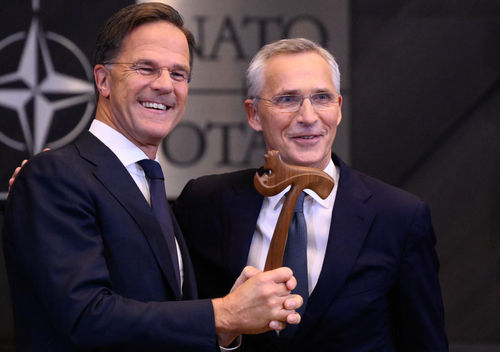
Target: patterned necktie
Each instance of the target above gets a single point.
(295, 257)
(161, 209)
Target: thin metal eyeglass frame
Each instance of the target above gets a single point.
(315, 106)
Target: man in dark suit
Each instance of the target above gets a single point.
(89, 263)
(372, 269)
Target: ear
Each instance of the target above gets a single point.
(252, 115)
(340, 110)
(102, 77)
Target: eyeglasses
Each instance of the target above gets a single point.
(293, 102)
(148, 70)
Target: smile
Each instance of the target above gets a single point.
(156, 106)
(307, 137)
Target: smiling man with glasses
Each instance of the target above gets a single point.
(372, 269)
(95, 259)
(302, 106)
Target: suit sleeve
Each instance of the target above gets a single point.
(419, 307)
(56, 260)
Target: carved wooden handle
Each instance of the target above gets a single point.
(276, 176)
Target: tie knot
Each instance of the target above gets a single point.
(151, 168)
(299, 206)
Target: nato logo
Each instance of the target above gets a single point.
(40, 104)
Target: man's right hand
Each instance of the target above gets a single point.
(18, 169)
(258, 302)
(15, 173)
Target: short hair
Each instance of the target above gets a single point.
(255, 78)
(110, 38)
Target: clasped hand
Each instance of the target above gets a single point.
(258, 302)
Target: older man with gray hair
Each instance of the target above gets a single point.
(369, 276)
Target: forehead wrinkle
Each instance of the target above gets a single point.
(298, 73)
(301, 92)
(143, 42)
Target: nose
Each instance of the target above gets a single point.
(306, 114)
(163, 82)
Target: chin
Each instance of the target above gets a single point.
(306, 160)
(300, 162)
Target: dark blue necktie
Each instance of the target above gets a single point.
(295, 257)
(161, 209)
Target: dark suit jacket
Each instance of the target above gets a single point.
(88, 265)
(378, 289)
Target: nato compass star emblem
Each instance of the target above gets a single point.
(32, 94)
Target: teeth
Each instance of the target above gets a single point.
(152, 105)
(307, 137)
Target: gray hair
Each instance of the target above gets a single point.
(255, 78)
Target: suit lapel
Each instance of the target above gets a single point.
(351, 221)
(242, 205)
(116, 179)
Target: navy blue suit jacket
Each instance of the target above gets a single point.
(378, 289)
(88, 265)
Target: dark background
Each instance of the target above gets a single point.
(425, 116)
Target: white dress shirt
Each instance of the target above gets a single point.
(129, 154)
(318, 215)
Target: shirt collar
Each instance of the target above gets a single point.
(123, 148)
(278, 199)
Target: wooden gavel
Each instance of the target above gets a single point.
(274, 178)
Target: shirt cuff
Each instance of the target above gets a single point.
(236, 342)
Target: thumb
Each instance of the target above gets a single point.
(246, 274)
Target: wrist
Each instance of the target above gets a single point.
(224, 327)
(223, 318)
